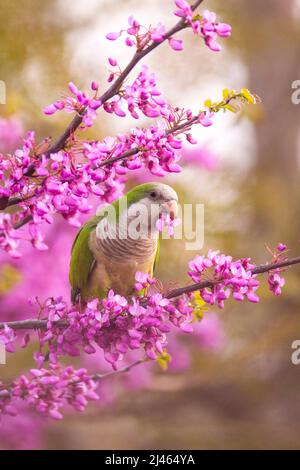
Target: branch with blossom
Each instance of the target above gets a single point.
(45, 179)
(198, 269)
(118, 325)
(84, 107)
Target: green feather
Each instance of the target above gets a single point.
(139, 192)
(156, 255)
(82, 258)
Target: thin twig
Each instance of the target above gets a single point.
(120, 371)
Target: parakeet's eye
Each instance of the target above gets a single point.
(153, 195)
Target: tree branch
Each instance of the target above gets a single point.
(129, 153)
(113, 89)
(77, 120)
(258, 270)
(41, 324)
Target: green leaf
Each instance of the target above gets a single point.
(232, 108)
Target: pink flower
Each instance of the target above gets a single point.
(157, 34)
(207, 26)
(281, 247)
(73, 88)
(113, 36)
(223, 30)
(94, 86)
(143, 280)
(176, 44)
(184, 10)
(112, 61)
(205, 118)
(51, 109)
(276, 282)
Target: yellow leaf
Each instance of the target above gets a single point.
(248, 96)
(207, 103)
(164, 359)
(199, 307)
(231, 108)
(225, 93)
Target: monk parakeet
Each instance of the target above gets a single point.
(121, 240)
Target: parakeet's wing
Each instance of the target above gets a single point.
(82, 258)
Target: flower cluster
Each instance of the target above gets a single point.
(204, 25)
(78, 103)
(48, 390)
(275, 281)
(63, 183)
(60, 185)
(142, 95)
(138, 35)
(115, 324)
(151, 148)
(228, 278)
(169, 222)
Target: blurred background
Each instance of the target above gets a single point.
(232, 384)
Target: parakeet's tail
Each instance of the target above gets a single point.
(75, 295)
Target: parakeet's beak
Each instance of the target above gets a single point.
(171, 207)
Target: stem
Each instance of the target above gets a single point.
(120, 371)
(40, 324)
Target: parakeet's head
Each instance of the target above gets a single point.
(150, 200)
(135, 215)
